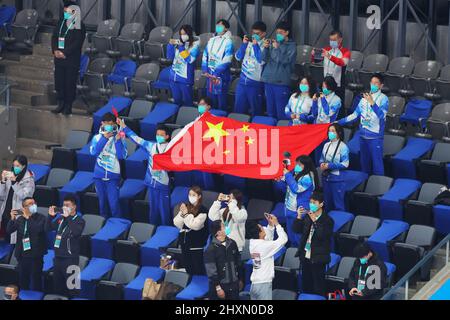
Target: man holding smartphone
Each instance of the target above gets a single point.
(263, 248)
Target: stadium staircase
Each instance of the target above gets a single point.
(33, 95)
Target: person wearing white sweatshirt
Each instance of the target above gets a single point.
(262, 250)
(231, 211)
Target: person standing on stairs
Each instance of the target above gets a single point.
(67, 43)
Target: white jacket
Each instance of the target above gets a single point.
(236, 224)
(262, 253)
(23, 189)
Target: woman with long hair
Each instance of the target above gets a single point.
(191, 220)
(300, 103)
(301, 183)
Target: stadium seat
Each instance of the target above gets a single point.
(137, 163)
(279, 212)
(279, 294)
(197, 289)
(40, 172)
(93, 224)
(48, 193)
(97, 269)
(342, 223)
(30, 295)
(391, 203)
(85, 161)
(239, 117)
(268, 121)
(126, 44)
(199, 86)
(64, 155)
(178, 196)
(139, 210)
(372, 63)
(340, 280)
(128, 251)
(209, 197)
(7, 15)
(421, 80)
(310, 297)
(185, 116)
(303, 61)
(441, 216)
(405, 255)
(420, 211)
(151, 250)
(163, 112)
(354, 65)
(8, 271)
(119, 80)
(354, 150)
(232, 92)
(366, 201)
(438, 125)
(399, 69)
(102, 242)
(54, 297)
(139, 110)
(179, 278)
(396, 109)
(404, 162)
(95, 78)
(414, 119)
(102, 40)
(162, 85)
(287, 274)
(23, 31)
(81, 182)
(155, 48)
(362, 228)
(113, 288)
(257, 207)
(133, 291)
(443, 82)
(131, 189)
(5, 250)
(390, 230)
(120, 104)
(434, 170)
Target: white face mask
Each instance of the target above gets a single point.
(184, 38)
(67, 211)
(193, 200)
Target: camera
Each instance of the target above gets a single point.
(114, 132)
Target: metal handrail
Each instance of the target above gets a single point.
(404, 281)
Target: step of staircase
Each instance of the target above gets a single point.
(36, 73)
(31, 98)
(42, 49)
(35, 150)
(41, 86)
(42, 62)
(44, 38)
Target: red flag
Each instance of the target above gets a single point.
(223, 145)
(114, 110)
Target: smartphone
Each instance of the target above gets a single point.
(59, 210)
(19, 213)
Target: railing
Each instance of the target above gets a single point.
(5, 91)
(404, 282)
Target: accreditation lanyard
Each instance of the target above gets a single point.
(311, 234)
(219, 49)
(302, 100)
(362, 281)
(59, 234)
(26, 239)
(62, 40)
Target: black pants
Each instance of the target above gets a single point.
(313, 278)
(66, 82)
(61, 273)
(231, 291)
(193, 261)
(340, 92)
(30, 273)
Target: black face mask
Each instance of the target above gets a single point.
(7, 297)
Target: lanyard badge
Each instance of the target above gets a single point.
(26, 244)
(58, 241)
(61, 43)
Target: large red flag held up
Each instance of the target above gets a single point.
(226, 146)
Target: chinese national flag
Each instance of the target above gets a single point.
(226, 146)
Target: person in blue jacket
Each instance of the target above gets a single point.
(184, 53)
(109, 147)
(250, 90)
(371, 111)
(300, 103)
(301, 183)
(216, 64)
(279, 56)
(156, 181)
(333, 163)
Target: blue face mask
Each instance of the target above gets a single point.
(201, 108)
(313, 207)
(298, 169)
(280, 38)
(326, 91)
(363, 260)
(109, 128)
(67, 16)
(304, 88)
(220, 28)
(334, 44)
(332, 136)
(160, 139)
(256, 37)
(17, 170)
(374, 88)
(33, 209)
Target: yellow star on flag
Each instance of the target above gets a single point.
(227, 152)
(250, 141)
(215, 132)
(245, 128)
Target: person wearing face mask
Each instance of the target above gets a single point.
(67, 43)
(15, 185)
(216, 64)
(11, 293)
(279, 56)
(184, 53)
(69, 226)
(192, 222)
(204, 105)
(31, 244)
(316, 229)
(367, 270)
(333, 163)
(110, 149)
(300, 184)
(250, 90)
(371, 111)
(230, 210)
(223, 264)
(156, 181)
(262, 249)
(300, 103)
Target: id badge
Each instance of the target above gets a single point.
(61, 43)
(308, 246)
(26, 244)
(57, 242)
(361, 285)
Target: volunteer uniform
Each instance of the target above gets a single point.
(300, 105)
(335, 67)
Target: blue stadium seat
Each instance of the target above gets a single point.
(40, 172)
(310, 297)
(219, 113)
(268, 121)
(342, 223)
(163, 82)
(403, 164)
(231, 182)
(354, 149)
(334, 262)
(31, 295)
(279, 212)
(79, 183)
(96, 270)
(136, 164)
(389, 230)
(391, 203)
(48, 261)
(353, 180)
(162, 113)
(102, 246)
(5, 250)
(442, 219)
(85, 161)
(122, 73)
(151, 250)
(121, 104)
(179, 195)
(133, 291)
(130, 189)
(416, 113)
(197, 288)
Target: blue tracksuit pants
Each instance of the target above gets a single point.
(277, 97)
(159, 205)
(294, 238)
(182, 93)
(371, 156)
(108, 195)
(219, 97)
(249, 98)
(334, 192)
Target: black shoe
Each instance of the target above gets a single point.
(67, 110)
(60, 108)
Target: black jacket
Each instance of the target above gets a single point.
(72, 47)
(70, 230)
(195, 239)
(368, 294)
(223, 262)
(36, 233)
(321, 240)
